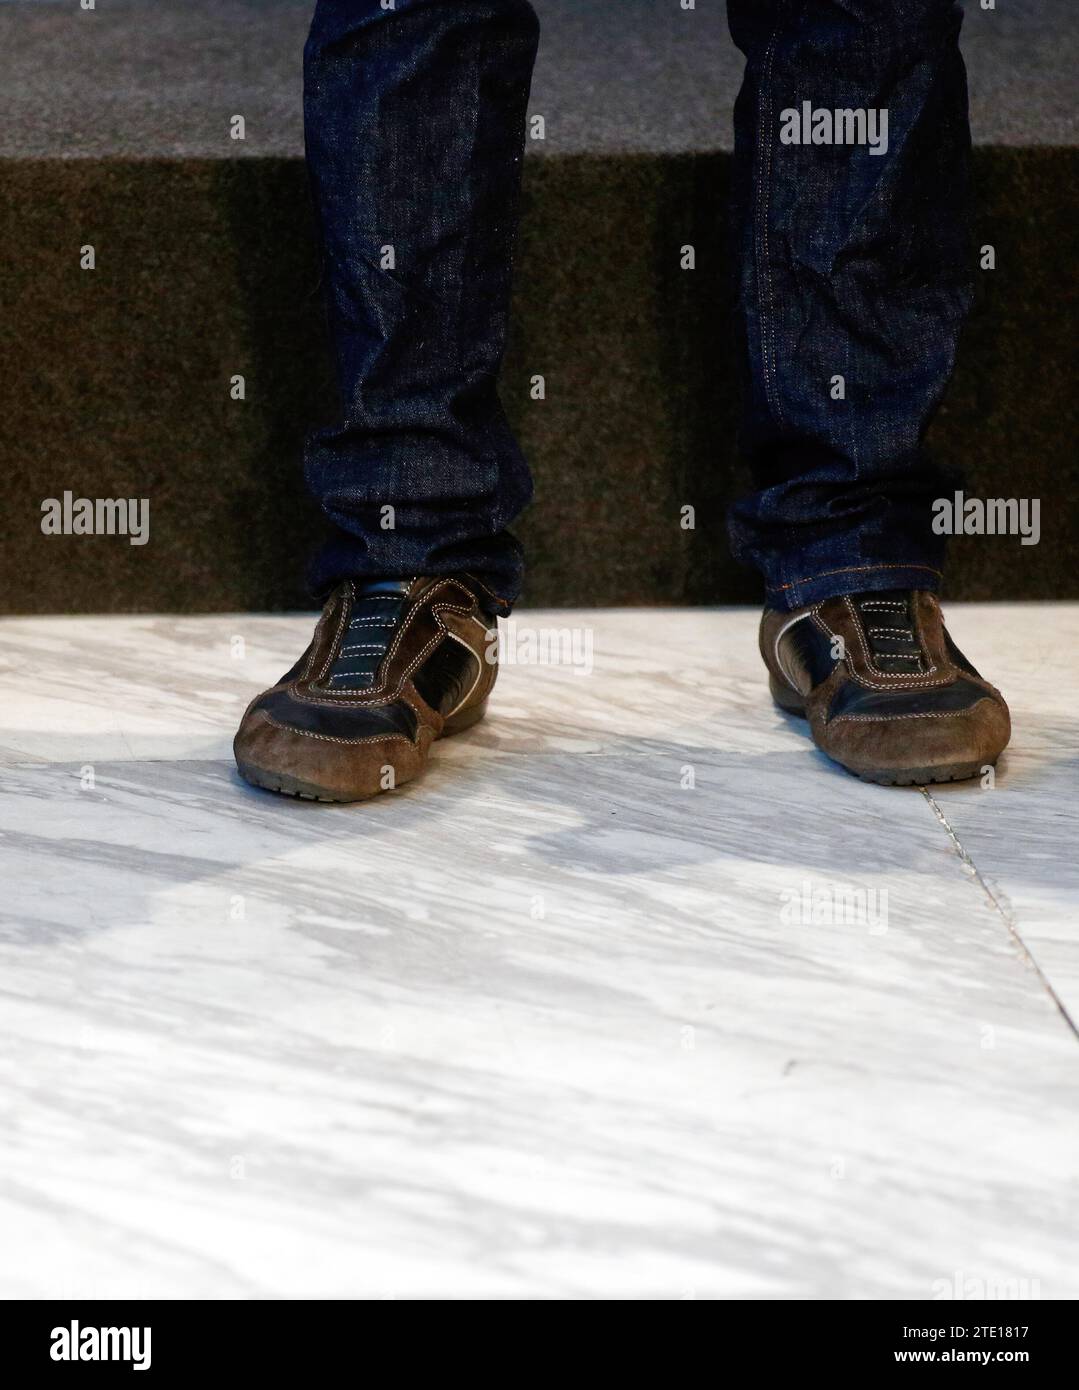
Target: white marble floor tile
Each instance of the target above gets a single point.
(1023, 832)
(175, 687)
(543, 1024)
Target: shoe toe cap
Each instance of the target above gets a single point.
(920, 743)
(332, 750)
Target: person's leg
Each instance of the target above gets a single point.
(415, 114)
(854, 276)
(415, 119)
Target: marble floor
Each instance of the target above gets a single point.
(633, 995)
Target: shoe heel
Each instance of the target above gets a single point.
(457, 723)
(786, 698)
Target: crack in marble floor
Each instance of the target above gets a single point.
(1005, 912)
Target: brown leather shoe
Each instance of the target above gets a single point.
(887, 692)
(394, 664)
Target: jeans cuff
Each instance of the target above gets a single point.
(854, 579)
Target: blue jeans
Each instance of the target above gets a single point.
(851, 260)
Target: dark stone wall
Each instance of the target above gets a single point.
(116, 381)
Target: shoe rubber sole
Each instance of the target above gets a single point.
(791, 702)
(286, 785)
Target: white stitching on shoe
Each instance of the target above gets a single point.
(380, 695)
(882, 718)
(346, 608)
(890, 683)
(330, 738)
(864, 645)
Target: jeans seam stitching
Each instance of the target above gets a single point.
(763, 205)
(852, 569)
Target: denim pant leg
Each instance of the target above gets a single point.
(415, 119)
(852, 265)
